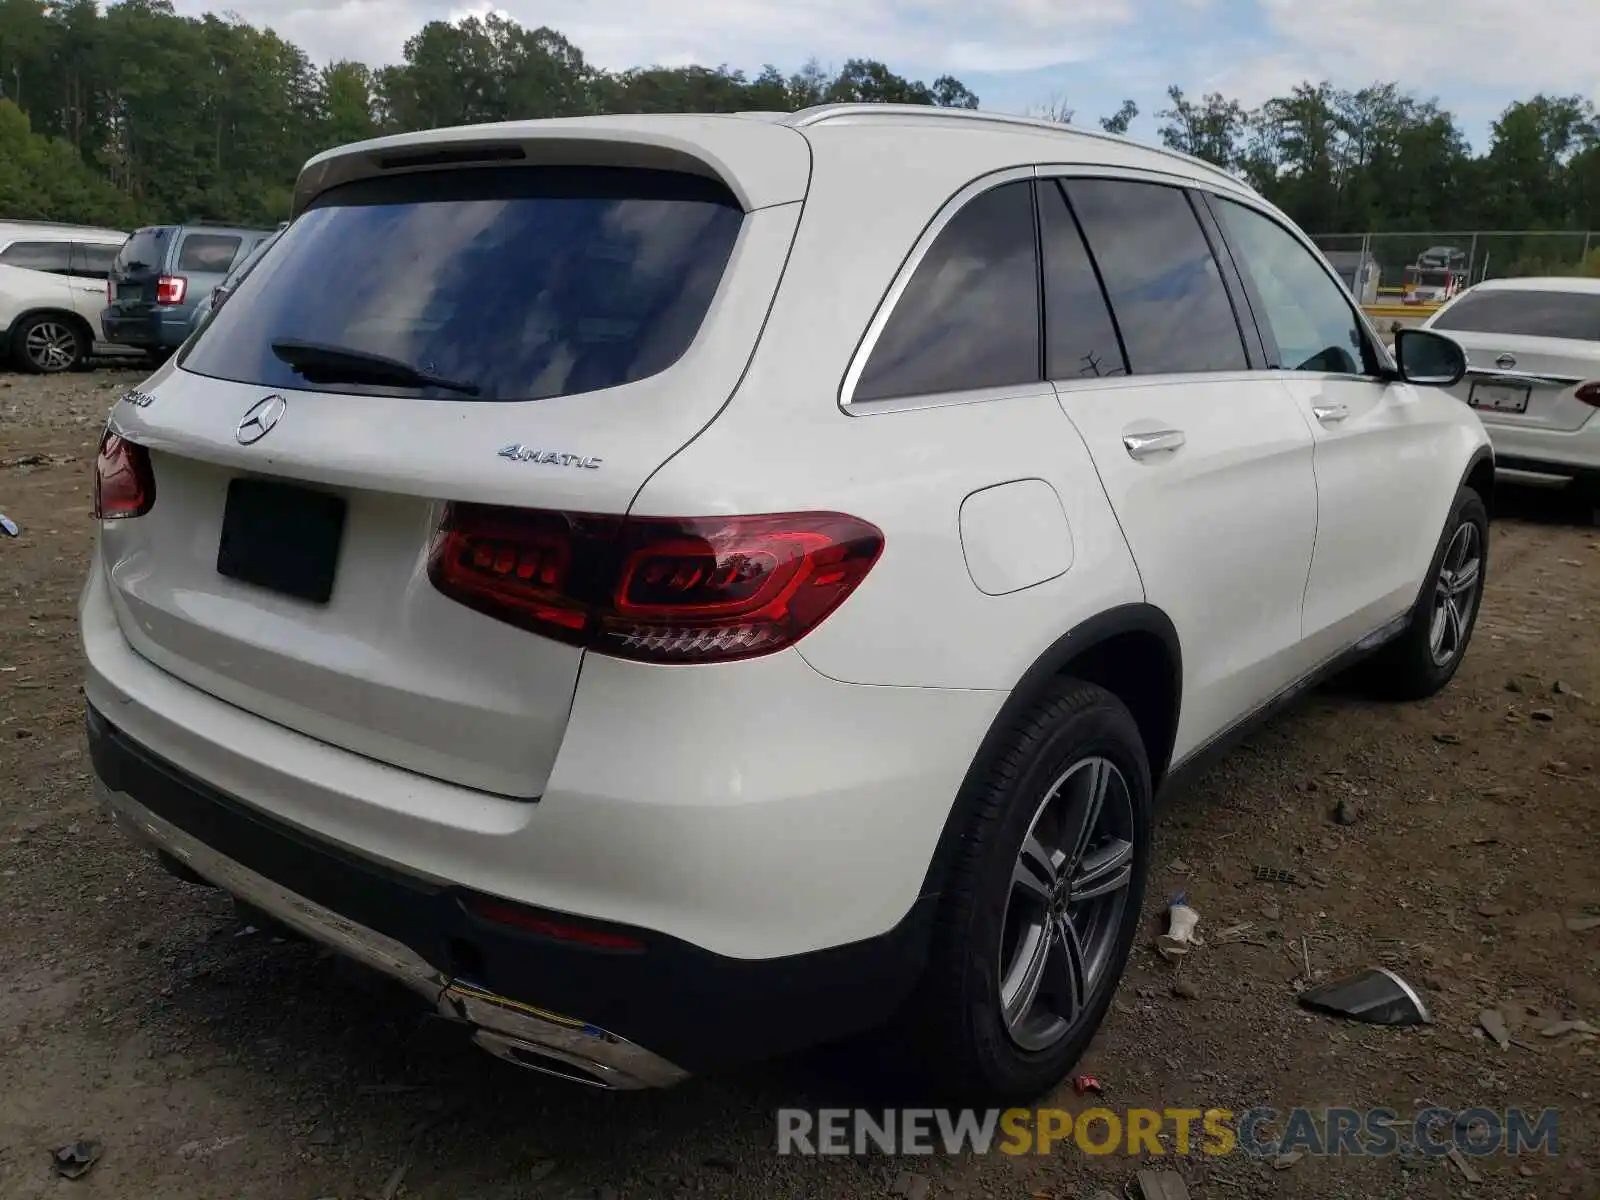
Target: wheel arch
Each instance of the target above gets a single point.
(1133, 652)
(75, 319)
(1479, 476)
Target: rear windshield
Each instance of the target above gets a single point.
(208, 252)
(1525, 314)
(524, 282)
(144, 251)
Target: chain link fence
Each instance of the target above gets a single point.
(1379, 268)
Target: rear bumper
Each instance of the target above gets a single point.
(156, 329)
(583, 1012)
(1547, 455)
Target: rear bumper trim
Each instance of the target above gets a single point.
(516, 1032)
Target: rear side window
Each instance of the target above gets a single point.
(524, 282)
(91, 260)
(969, 317)
(143, 253)
(207, 253)
(1525, 313)
(54, 257)
(1165, 288)
(1080, 339)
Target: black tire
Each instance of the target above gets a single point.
(47, 344)
(1412, 666)
(959, 1040)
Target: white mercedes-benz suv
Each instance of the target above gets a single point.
(678, 589)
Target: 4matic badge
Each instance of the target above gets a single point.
(517, 452)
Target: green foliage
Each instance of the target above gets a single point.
(137, 114)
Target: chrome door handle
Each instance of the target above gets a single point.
(1328, 414)
(1143, 445)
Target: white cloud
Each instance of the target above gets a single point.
(934, 34)
(1517, 45)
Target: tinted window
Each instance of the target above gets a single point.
(143, 253)
(1306, 311)
(528, 282)
(1525, 313)
(207, 252)
(54, 257)
(969, 318)
(1080, 340)
(1164, 285)
(92, 260)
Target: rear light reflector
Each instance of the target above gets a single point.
(171, 289)
(1589, 392)
(111, 292)
(654, 589)
(502, 912)
(124, 484)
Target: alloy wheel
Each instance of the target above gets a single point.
(51, 346)
(1455, 594)
(1069, 891)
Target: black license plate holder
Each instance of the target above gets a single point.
(283, 538)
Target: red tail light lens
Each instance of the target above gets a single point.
(702, 589)
(111, 292)
(506, 913)
(171, 289)
(124, 484)
(1589, 392)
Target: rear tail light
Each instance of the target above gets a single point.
(171, 289)
(111, 292)
(124, 484)
(1589, 392)
(655, 589)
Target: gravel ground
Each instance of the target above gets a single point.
(213, 1061)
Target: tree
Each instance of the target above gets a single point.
(133, 113)
(1119, 121)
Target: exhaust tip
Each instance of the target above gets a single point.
(547, 1061)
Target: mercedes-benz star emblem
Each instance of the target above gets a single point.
(259, 420)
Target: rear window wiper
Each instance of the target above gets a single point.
(319, 363)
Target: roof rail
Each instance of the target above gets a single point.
(821, 114)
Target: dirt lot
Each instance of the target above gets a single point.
(212, 1061)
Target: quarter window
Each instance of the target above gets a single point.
(1307, 312)
(207, 252)
(1164, 285)
(969, 317)
(54, 257)
(1080, 339)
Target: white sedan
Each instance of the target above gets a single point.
(1533, 353)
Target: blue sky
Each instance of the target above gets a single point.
(1024, 55)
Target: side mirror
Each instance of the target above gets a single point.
(1429, 359)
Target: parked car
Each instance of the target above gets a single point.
(161, 274)
(52, 281)
(751, 593)
(1443, 257)
(1533, 348)
(218, 294)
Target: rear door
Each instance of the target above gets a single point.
(91, 268)
(601, 319)
(1528, 348)
(1206, 462)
